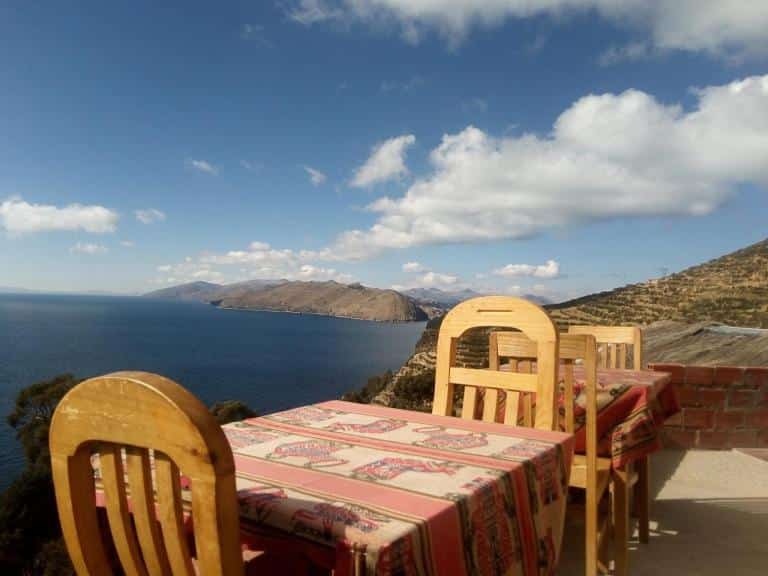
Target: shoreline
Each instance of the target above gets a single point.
(298, 313)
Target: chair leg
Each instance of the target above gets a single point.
(621, 521)
(642, 498)
(591, 530)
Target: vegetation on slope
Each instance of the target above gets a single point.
(732, 289)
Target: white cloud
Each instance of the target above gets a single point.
(315, 176)
(309, 12)
(149, 216)
(628, 52)
(413, 267)
(258, 260)
(87, 248)
(386, 162)
(549, 270)
(713, 26)
(127, 243)
(20, 217)
(309, 272)
(203, 166)
(608, 156)
(436, 280)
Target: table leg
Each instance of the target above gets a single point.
(642, 498)
(358, 559)
(621, 483)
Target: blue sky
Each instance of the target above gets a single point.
(557, 148)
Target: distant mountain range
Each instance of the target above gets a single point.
(732, 289)
(325, 298)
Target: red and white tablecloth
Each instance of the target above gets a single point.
(423, 494)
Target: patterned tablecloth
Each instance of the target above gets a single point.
(424, 494)
(632, 407)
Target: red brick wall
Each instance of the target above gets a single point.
(722, 407)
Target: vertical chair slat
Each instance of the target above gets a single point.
(113, 481)
(145, 516)
(217, 525)
(611, 353)
(526, 367)
(171, 514)
(490, 404)
(491, 398)
(568, 397)
(73, 478)
(622, 356)
(469, 406)
(511, 408)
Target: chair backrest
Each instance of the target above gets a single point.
(521, 353)
(140, 416)
(504, 312)
(615, 343)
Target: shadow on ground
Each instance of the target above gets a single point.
(709, 517)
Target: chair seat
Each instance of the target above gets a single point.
(579, 473)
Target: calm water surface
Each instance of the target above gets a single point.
(270, 360)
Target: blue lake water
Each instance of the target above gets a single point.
(270, 360)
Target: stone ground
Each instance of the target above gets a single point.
(709, 517)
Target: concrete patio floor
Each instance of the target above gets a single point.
(709, 516)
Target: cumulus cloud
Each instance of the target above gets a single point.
(413, 267)
(712, 26)
(386, 162)
(436, 280)
(203, 166)
(315, 176)
(258, 260)
(89, 249)
(607, 156)
(149, 215)
(423, 277)
(549, 270)
(20, 217)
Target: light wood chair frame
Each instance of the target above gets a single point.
(589, 472)
(141, 413)
(613, 345)
(503, 312)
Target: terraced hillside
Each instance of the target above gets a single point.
(732, 289)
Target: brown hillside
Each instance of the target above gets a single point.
(732, 289)
(330, 299)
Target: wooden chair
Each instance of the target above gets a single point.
(504, 312)
(589, 472)
(144, 414)
(615, 344)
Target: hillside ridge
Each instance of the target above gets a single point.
(731, 289)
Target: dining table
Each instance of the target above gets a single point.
(363, 489)
(389, 491)
(632, 406)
